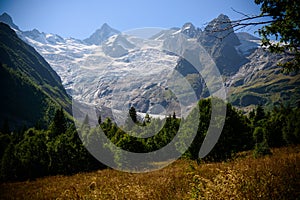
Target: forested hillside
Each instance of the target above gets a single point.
(31, 90)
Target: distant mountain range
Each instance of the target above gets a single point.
(31, 90)
(109, 64)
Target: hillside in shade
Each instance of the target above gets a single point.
(30, 89)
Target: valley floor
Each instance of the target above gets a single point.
(270, 177)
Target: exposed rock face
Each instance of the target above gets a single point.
(114, 69)
(5, 18)
(101, 35)
(220, 41)
(190, 30)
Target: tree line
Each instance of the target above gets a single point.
(35, 152)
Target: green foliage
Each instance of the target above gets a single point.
(274, 126)
(59, 124)
(278, 128)
(204, 119)
(132, 143)
(34, 153)
(261, 140)
(31, 153)
(259, 114)
(9, 164)
(291, 131)
(285, 26)
(259, 135)
(67, 154)
(30, 88)
(235, 136)
(261, 149)
(282, 126)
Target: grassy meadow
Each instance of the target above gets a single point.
(276, 176)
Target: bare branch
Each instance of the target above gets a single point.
(240, 12)
(239, 21)
(250, 18)
(253, 23)
(230, 32)
(240, 26)
(236, 25)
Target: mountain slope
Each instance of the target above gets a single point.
(261, 81)
(248, 43)
(30, 89)
(218, 38)
(221, 45)
(91, 70)
(6, 18)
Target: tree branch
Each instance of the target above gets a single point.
(240, 12)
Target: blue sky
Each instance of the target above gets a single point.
(79, 19)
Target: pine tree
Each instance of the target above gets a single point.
(99, 120)
(59, 123)
(86, 123)
(132, 114)
(86, 119)
(174, 115)
(147, 118)
(260, 114)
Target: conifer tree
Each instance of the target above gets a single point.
(132, 114)
(59, 123)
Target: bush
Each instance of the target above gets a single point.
(261, 149)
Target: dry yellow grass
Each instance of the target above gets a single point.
(271, 177)
(168, 183)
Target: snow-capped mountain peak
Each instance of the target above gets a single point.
(102, 34)
(117, 45)
(109, 66)
(220, 25)
(44, 38)
(190, 30)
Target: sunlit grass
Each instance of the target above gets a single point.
(271, 177)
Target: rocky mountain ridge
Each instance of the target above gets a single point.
(93, 70)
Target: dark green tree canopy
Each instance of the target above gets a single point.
(285, 26)
(59, 123)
